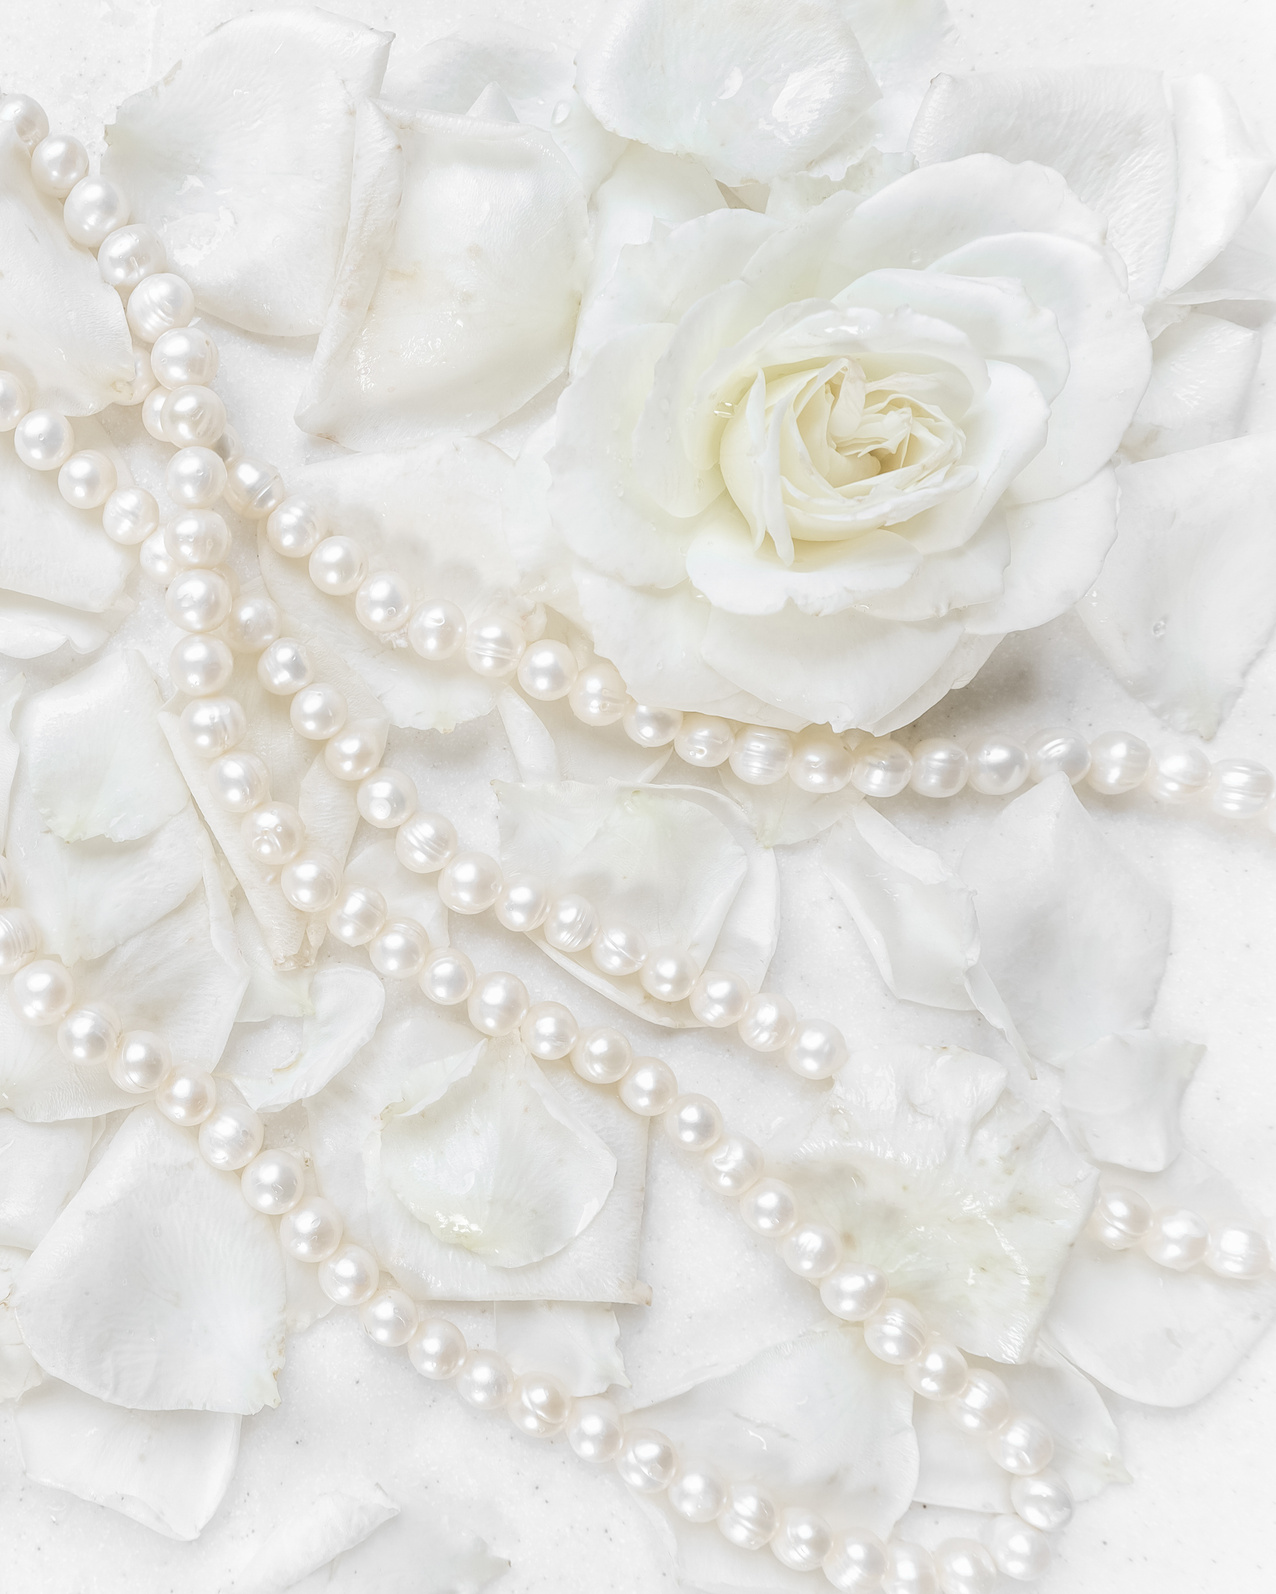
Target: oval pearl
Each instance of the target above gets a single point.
(816, 1049)
(821, 762)
(195, 478)
(14, 401)
(1120, 1218)
(854, 1292)
(895, 1332)
(273, 834)
(646, 1460)
(704, 740)
(425, 842)
(802, 1539)
(1238, 1253)
(1058, 752)
(239, 782)
(651, 727)
(767, 1023)
(484, 1380)
(539, 1406)
(198, 600)
(398, 951)
(26, 117)
(983, 1405)
(436, 631)
(1118, 763)
(159, 303)
(254, 488)
(601, 1056)
(312, 1231)
(42, 992)
(448, 976)
(965, 1567)
(184, 356)
(997, 765)
(760, 756)
(694, 1123)
(549, 1031)
(193, 416)
(387, 798)
(855, 1562)
(811, 1250)
(338, 566)
(44, 440)
(92, 210)
(649, 1088)
(1023, 1446)
(19, 939)
(213, 725)
(1239, 787)
(1178, 773)
(383, 602)
(357, 915)
(697, 1493)
(311, 882)
(186, 1096)
(547, 671)
(769, 1208)
(1044, 1500)
(493, 647)
(1177, 1239)
(470, 883)
(58, 162)
(668, 974)
(89, 1036)
(748, 1516)
(231, 1136)
(198, 538)
(389, 1318)
(522, 903)
(141, 1063)
(498, 1004)
(129, 516)
(349, 1276)
(318, 711)
(571, 924)
(273, 1181)
(939, 768)
(881, 767)
(595, 1430)
(200, 665)
(619, 950)
(719, 998)
(295, 527)
(437, 1350)
(938, 1371)
(733, 1165)
(910, 1569)
(597, 696)
(284, 667)
(356, 749)
(87, 479)
(1020, 1551)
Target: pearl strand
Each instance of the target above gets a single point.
(1178, 1238)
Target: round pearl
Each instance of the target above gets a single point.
(448, 976)
(821, 762)
(141, 1062)
(1239, 787)
(938, 1371)
(231, 1137)
(92, 210)
(619, 950)
(273, 1181)
(522, 903)
(910, 1569)
(129, 254)
(312, 1231)
(200, 665)
(1020, 1551)
(571, 924)
(186, 1096)
(539, 1406)
(1120, 1218)
(197, 539)
(273, 834)
(356, 750)
(129, 516)
(649, 1088)
(349, 1276)
(19, 939)
(602, 1056)
(854, 1292)
(42, 992)
(881, 768)
(595, 1430)
(159, 303)
(437, 1350)
(484, 1380)
(383, 602)
(198, 600)
(895, 1332)
(760, 756)
(254, 488)
(1023, 1446)
(284, 667)
(697, 1493)
(14, 402)
(997, 766)
(87, 479)
(26, 117)
(44, 440)
(357, 915)
(668, 974)
(398, 950)
(387, 798)
(1058, 752)
(213, 725)
(184, 356)
(816, 1049)
(1177, 1239)
(802, 1539)
(436, 631)
(547, 671)
(983, 1405)
(1044, 1501)
(965, 1567)
(767, 1023)
(704, 740)
(811, 1250)
(646, 1461)
(597, 696)
(769, 1208)
(694, 1123)
(317, 712)
(719, 999)
(471, 883)
(338, 566)
(651, 727)
(549, 1031)
(1178, 773)
(425, 843)
(239, 782)
(939, 768)
(295, 527)
(855, 1562)
(193, 416)
(1238, 1253)
(89, 1035)
(310, 883)
(498, 1004)
(389, 1318)
(493, 647)
(748, 1517)
(1118, 763)
(733, 1165)
(152, 413)
(195, 478)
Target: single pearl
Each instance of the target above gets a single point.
(821, 762)
(312, 881)
(549, 1031)
(1178, 773)
(522, 903)
(571, 925)
(855, 1562)
(295, 527)
(44, 440)
(312, 1231)
(1058, 752)
(493, 647)
(159, 303)
(647, 1461)
(767, 1023)
(338, 566)
(200, 665)
(619, 950)
(1120, 1218)
(997, 766)
(965, 1567)
(389, 1318)
(26, 117)
(213, 725)
(595, 1430)
(14, 402)
(484, 1380)
(983, 1405)
(1238, 1253)
(231, 1136)
(387, 798)
(719, 999)
(597, 696)
(87, 479)
(1239, 787)
(938, 1371)
(704, 740)
(539, 1406)
(186, 1096)
(733, 1165)
(92, 210)
(1177, 1239)
(854, 1292)
(1044, 1500)
(498, 1004)
(254, 488)
(239, 782)
(651, 727)
(447, 977)
(1023, 1446)
(195, 478)
(802, 1539)
(760, 756)
(895, 1332)
(811, 1250)
(697, 1493)
(198, 600)
(425, 842)
(470, 883)
(273, 1181)
(198, 538)
(649, 1088)
(273, 834)
(910, 1569)
(356, 750)
(19, 939)
(129, 516)
(349, 1276)
(89, 1035)
(881, 768)
(694, 1123)
(816, 1049)
(193, 415)
(184, 356)
(436, 630)
(437, 1350)
(602, 1056)
(141, 1063)
(42, 992)
(1118, 763)
(357, 915)
(318, 711)
(748, 1516)
(399, 949)
(152, 413)
(669, 974)
(769, 1208)
(284, 667)
(1020, 1551)
(940, 767)
(547, 671)
(383, 602)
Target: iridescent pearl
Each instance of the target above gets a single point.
(200, 665)
(484, 1380)
(767, 1023)
(448, 976)
(356, 749)
(311, 882)
(141, 1063)
(522, 903)
(821, 762)
(816, 1049)
(195, 478)
(213, 725)
(547, 671)
(312, 1231)
(193, 416)
(197, 539)
(597, 696)
(694, 1123)
(854, 1291)
(44, 440)
(939, 768)
(437, 1350)
(493, 647)
(1058, 752)
(349, 1276)
(1020, 1551)
(748, 1516)
(42, 992)
(389, 1318)
(938, 1371)
(87, 479)
(19, 939)
(383, 602)
(57, 164)
(158, 303)
(89, 1036)
(668, 974)
(811, 1250)
(601, 1056)
(14, 401)
(1178, 773)
(1120, 1218)
(184, 356)
(254, 488)
(1023, 1446)
(273, 834)
(998, 765)
(26, 117)
(295, 527)
(595, 1430)
(1177, 1239)
(425, 842)
(436, 631)
(318, 711)
(719, 998)
(539, 1406)
(619, 950)
(1044, 1500)
(338, 566)
(769, 1208)
(910, 1569)
(498, 1004)
(983, 1405)
(273, 1181)
(198, 600)
(129, 516)
(1238, 1253)
(284, 667)
(895, 1332)
(965, 1567)
(357, 915)
(470, 883)
(549, 1031)
(880, 768)
(239, 782)
(855, 1562)
(1118, 762)
(760, 756)
(399, 949)
(697, 1493)
(646, 1461)
(704, 740)
(186, 1096)
(92, 210)
(1239, 787)
(733, 1165)
(802, 1539)
(571, 924)
(649, 1088)
(651, 727)
(387, 798)
(231, 1136)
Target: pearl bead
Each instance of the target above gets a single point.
(498, 1004)
(549, 1031)
(349, 1276)
(273, 1181)
(769, 1208)
(19, 939)
(649, 1088)
(27, 119)
(1177, 1239)
(881, 768)
(895, 1332)
(437, 1350)
(651, 727)
(484, 1380)
(90, 1035)
(425, 842)
(231, 1137)
(816, 1049)
(92, 210)
(186, 1096)
(704, 740)
(141, 1063)
(356, 750)
(939, 768)
(199, 538)
(317, 712)
(1023, 1446)
(398, 950)
(387, 798)
(200, 665)
(1239, 787)
(152, 413)
(694, 1123)
(273, 834)
(1178, 773)
(854, 1292)
(597, 696)
(983, 1405)
(14, 402)
(470, 883)
(767, 1023)
(997, 766)
(312, 1231)
(44, 440)
(1020, 1551)
(747, 1518)
(571, 925)
(198, 600)
(383, 603)
(733, 1165)
(129, 516)
(285, 667)
(1118, 763)
(1238, 1253)
(254, 489)
(619, 950)
(195, 478)
(389, 1318)
(182, 356)
(493, 647)
(697, 1493)
(539, 1405)
(436, 631)
(811, 1250)
(646, 1461)
(213, 725)
(448, 976)
(821, 762)
(1044, 1500)
(802, 1539)
(129, 254)
(1058, 752)
(338, 566)
(357, 915)
(295, 527)
(668, 974)
(311, 882)
(910, 1569)
(87, 479)
(547, 671)
(159, 303)
(602, 1056)
(965, 1567)
(42, 992)
(1120, 1218)
(719, 999)
(239, 782)
(760, 756)
(523, 903)
(938, 1371)
(855, 1562)
(595, 1430)
(193, 415)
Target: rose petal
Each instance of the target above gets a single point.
(324, 1527)
(41, 1166)
(30, 628)
(1244, 270)
(18, 1371)
(1123, 1094)
(579, 1344)
(1202, 372)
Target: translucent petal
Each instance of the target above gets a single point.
(41, 1166)
(1122, 1097)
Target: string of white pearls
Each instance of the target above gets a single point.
(1178, 1238)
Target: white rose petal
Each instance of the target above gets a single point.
(41, 1166)
(30, 628)
(578, 1343)
(18, 1371)
(1123, 1094)
(309, 1538)
(1244, 270)
(1202, 372)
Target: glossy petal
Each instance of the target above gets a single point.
(1202, 372)
(41, 1166)
(1122, 1097)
